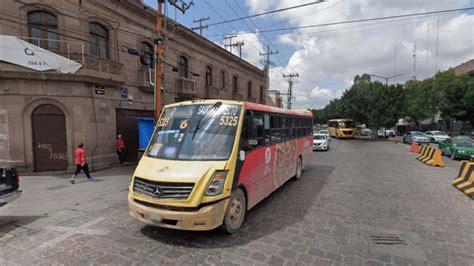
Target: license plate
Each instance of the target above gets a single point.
(154, 217)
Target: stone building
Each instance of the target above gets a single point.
(45, 114)
(466, 68)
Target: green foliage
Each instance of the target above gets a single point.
(378, 105)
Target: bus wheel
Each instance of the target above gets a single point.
(299, 169)
(235, 213)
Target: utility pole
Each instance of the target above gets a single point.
(267, 64)
(414, 62)
(290, 77)
(229, 37)
(437, 45)
(159, 44)
(201, 27)
(269, 52)
(236, 44)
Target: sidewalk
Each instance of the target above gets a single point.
(43, 195)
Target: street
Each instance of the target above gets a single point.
(362, 202)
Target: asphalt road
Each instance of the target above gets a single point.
(362, 202)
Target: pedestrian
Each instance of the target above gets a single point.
(120, 146)
(81, 163)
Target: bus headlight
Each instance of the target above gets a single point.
(217, 185)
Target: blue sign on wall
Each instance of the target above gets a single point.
(124, 92)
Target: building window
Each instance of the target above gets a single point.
(208, 76)
(183, 67)
(43, 28)
(222, 79)
(234, 84)
(146, 55)
(249, 89)
(99, 40)
(262, 94)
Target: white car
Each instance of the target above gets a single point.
(324, 132)
(320, 142)
(437, 136)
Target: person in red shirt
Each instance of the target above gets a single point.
(81, 163)
(120, 146)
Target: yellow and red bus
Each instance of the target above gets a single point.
(342, 128)
(210, 161)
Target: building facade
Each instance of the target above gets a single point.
(44, 115)
(466, 68)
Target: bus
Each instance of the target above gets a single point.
(342, 128)
(210, 161)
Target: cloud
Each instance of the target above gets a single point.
(328, 58)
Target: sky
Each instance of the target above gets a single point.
(327, 58)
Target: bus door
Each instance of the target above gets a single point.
(256, 173)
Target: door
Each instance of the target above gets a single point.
(127, 126)
(49, 139)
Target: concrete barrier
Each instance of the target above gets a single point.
(465, 179)
(431, 156)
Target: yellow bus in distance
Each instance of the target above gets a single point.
(342, 128)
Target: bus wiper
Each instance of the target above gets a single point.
(207, 116)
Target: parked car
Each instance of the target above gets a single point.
(366, 132)
(385, 133)
(325, 132)
(390, 133)
(320, 142)
(460, 147)
(9, 185)
(415, 136)
(437, 136)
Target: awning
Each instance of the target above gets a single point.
(16, 51)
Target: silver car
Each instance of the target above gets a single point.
(415, 136)
(437, 136)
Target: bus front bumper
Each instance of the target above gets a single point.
(206, 218)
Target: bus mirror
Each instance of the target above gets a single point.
(253, 142)
(242, 156)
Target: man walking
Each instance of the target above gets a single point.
(120, 146)
(81, 163)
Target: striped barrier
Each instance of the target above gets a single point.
(465, 179)
(423, 152)
(431, 156)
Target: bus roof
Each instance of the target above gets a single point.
(271, 109)
(248, 106)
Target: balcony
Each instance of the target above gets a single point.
(146, 79)
(252, 99)
(102, 65)
(185, 87)
(75, 51)
(237, 96)
(212, 92)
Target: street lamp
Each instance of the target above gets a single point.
(386, 78)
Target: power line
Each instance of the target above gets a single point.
(367, 19)
(266, 13)
(258, 35)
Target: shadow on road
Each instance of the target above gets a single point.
(284, 207)
(9, 223)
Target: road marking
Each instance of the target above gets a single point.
(69, 231)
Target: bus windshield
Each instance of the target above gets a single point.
(195, 132)
(346, 124)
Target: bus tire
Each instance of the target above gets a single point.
(299, 169)
(235, 213)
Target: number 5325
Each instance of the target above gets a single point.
(228, 120)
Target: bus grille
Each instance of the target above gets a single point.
(347, 132)
(162, 190)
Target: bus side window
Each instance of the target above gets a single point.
(275, 124)
(258, 129)
(246, 134)
(266, 130)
